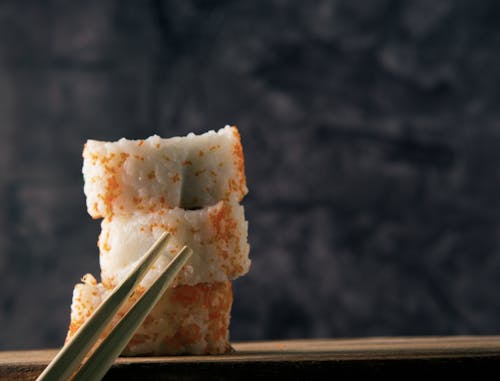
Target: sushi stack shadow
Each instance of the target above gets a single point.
(191, 187)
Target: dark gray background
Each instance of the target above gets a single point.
(372, 141)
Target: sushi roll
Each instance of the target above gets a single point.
(217, 235)
(147, 175)
(191, 187)
(186, 320)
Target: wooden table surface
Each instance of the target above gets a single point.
(297, 359)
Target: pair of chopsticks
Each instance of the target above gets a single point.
(68, 362)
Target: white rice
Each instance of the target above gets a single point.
(146, 175)
(187, 319)
(217, 235)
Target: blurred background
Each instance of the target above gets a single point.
(372, 143)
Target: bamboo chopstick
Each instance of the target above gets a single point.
(71, 355)
(103, 357)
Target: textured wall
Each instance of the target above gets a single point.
(371, 134)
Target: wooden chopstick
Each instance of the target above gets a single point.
(71, 355)
(103, 357)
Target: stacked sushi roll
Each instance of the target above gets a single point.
(191, 187)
